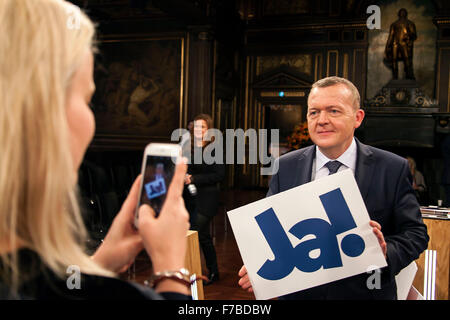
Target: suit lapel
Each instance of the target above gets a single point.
(305, 162)
(365, 167)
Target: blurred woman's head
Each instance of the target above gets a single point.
(202, 123)
(45, 126)
(412, 164)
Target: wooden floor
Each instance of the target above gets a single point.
(228, 256)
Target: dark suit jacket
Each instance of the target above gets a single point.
(385, 183)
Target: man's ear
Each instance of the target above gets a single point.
(359, 117)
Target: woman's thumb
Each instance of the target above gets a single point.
(146, 214)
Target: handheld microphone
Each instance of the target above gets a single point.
(192, 189)
(185, 146)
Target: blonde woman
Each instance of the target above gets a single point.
(46, 125)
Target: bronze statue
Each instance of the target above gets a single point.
(399, 46)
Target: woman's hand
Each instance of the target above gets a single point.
(123, 242)
(164, 237)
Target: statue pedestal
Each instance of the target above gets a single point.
(401, 93)
(400, 115)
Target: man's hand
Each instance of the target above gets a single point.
(244, 282)
(376, 227)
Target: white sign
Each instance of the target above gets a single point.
(404, 280)
(306, 236)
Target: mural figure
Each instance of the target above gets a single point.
(399, 46)
(138, 87)
(146, 88)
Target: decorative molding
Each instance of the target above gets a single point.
(401, 93)
(442, 21)
(285, 93)
(322, 26)
(283, 78)
(299, 62)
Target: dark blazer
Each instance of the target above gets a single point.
(385, 183)
(207, 177)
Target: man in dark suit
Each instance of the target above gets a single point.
(383, 178)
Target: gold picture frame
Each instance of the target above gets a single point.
(139, 95)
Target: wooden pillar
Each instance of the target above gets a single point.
(193, 260)
(200, 74)
(443, 63)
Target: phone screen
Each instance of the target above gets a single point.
(158, 174)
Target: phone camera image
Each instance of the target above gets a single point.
(156, 187)
(158, 173)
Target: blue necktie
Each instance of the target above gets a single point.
(333, 166)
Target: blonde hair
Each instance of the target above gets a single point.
(412, 163)
(42, 44)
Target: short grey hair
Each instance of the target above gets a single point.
(332, 81)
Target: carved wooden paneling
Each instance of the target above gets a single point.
(332, 63)
(443, 79)
(359, 71)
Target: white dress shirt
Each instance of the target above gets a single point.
(348, 160)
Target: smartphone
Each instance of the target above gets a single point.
(158, 168)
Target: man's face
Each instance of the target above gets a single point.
(332, 119)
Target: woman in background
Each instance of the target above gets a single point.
(46, 125)
(206, 178)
